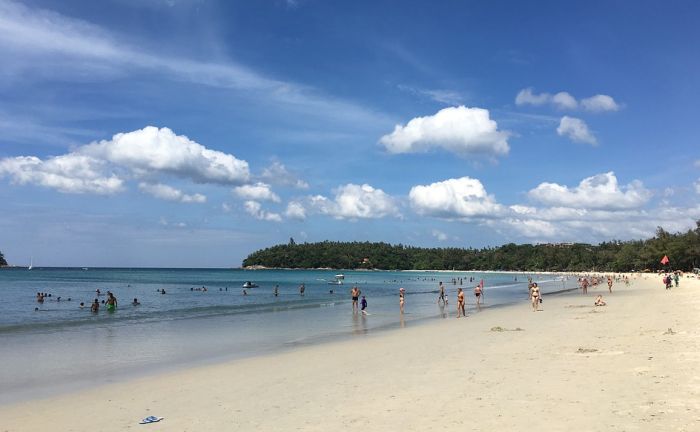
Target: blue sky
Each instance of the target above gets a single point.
(191, 133)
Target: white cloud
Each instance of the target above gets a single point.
(257, 192)
(453, 199)
(153, 149)
(527, 97)
(461, 130)
(70, 173)
(533, 228)
(278, 174)
(102, 167)
(295, 210)
(565, 101)
(597, 192)
(226, 208)
(439, 235)
(356, 202)
(254, 209)
(697, 163)
(697, 186)
(599, 103)
(169, 193)
(576, 129)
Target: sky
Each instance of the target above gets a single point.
(190, 133)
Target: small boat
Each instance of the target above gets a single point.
(250, 284)
(338, 280)
(31, 263)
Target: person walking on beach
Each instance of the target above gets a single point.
(441, 296)
(355, 294)
(584, 285)
(477, 294)
(610, 283)
(535, 297)
(675, 278)
(461, 311)
(402, 299)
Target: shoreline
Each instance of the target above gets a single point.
(631, 363)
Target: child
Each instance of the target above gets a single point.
(363, 305)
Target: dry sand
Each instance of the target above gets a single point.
(633, 365)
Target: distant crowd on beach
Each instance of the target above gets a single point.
(360, 302)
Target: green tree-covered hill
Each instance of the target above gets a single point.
(683, 250)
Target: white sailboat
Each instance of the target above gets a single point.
(31, 263)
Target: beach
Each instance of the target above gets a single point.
(630, 365)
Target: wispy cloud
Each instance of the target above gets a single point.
(42, 44)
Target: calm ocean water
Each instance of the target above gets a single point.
(62, 347)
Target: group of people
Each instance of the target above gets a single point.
(670, 279)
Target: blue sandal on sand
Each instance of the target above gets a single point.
(151, 419)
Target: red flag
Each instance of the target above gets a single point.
(664, 260)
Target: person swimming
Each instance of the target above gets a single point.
(135, 302)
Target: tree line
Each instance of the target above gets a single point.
(682, 249)
(3, 263)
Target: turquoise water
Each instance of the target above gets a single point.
(62, 347)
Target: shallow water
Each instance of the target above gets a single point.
(62, 347)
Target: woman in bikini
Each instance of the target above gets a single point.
(402, 301)
(535, 297)
(460, 303)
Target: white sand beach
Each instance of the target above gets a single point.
(633, 365)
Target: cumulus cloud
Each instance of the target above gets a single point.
(599, 103)
(356, 202)
(601, 191)
(161, 150)
(254, 209)
(576, 130)
(169, 193)
(103, 167)
(295, 210)
(460, 130)
(454, 199)
(565, 101)
(257, 192)
(278, 174)
(70, 173)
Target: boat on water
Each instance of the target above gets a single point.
(31, 263)
(338, 280)
(249, 284)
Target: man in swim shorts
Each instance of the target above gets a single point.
(355, 294)
(477, 294)
(441, 296)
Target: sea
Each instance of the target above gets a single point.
(189, 317)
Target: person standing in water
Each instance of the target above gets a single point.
(363, 305)
(302, 288)
(441, 295)
(95, 306)
(276, 292)
(111, 302)
(355, 294)
(477, 294)
(402, 299)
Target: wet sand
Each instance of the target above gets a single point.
(631, 365)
